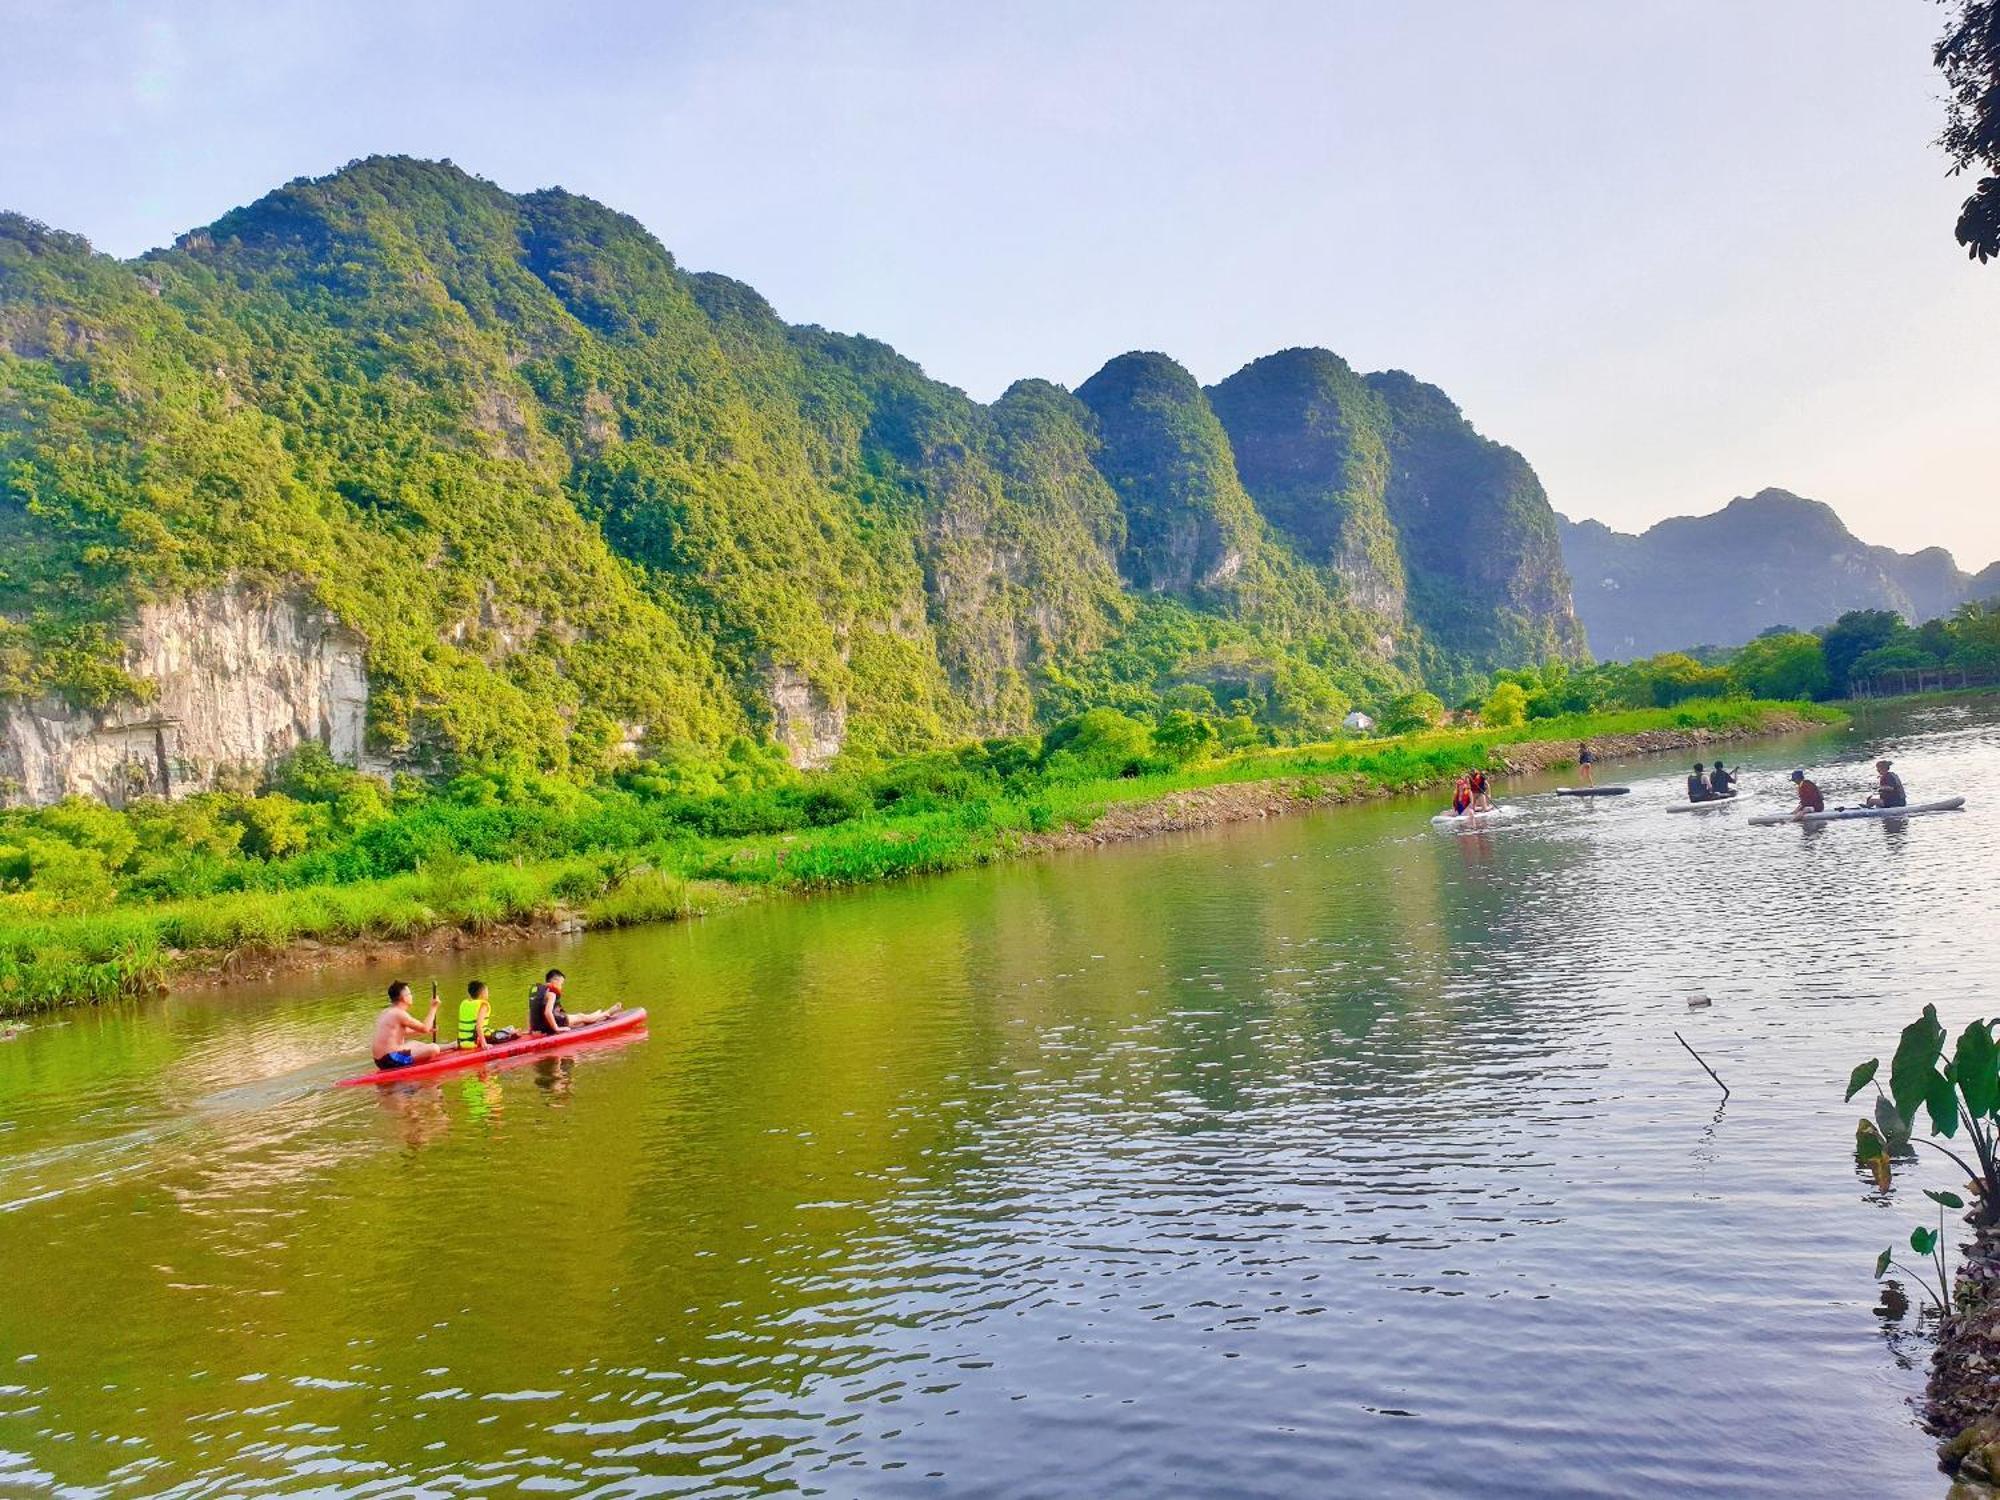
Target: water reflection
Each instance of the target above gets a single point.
(1258, 1164)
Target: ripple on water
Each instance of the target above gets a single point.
(1331, 1156)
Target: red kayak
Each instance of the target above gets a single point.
(479, 1057)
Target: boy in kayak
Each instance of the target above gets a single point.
(1810, 801)
(1721, 782)
(1699, 789)
(396, 1026)
(546, 1016)
(1888, 788)
(475, 1020)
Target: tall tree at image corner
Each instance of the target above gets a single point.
(1968, 54)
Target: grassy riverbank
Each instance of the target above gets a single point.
(108, 904)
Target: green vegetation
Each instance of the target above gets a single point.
(1781, 664)
(97, 902)
(1968, 54)
(575, 498)
(1961, 1091)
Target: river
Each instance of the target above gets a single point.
(1330, 1156)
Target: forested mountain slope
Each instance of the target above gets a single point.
(1763, 560)
(570, 500)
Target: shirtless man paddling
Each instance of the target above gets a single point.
(395, 1026)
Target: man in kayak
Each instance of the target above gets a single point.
(546, 1015)
(1888, 788)
(1699, 789)
(1721, 782)
(396, 1026)
(1810, 801)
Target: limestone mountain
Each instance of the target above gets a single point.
(557, 496)
(1773, 558)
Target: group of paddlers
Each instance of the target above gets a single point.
(397, 1029)
(1471, 793)
(1711, 784)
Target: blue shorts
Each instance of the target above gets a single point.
(394, 1060)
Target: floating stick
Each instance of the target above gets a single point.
(1704, 1066)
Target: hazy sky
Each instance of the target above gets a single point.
(1673, 253)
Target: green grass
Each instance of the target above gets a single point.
(134, 948)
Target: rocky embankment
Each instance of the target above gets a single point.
(1962, 1400)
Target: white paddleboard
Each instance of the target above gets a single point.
(1845, 814)
(1709, 806)
(1485, 819)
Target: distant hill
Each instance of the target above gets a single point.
(1772, 558)
(530, 488)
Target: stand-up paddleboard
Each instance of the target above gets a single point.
(1592, 791)
(1485, 819)
(1709, 806)
(625, 1021)
(1845, 814)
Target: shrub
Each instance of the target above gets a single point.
(1505, 707)
(1102, 742)
(1411, 712)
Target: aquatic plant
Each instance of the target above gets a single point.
(1954, 1093)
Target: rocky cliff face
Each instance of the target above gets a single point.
(1763, 560)
(1311, 445)
(240, 678)
(550, 478)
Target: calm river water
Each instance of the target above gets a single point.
(1327, 1157)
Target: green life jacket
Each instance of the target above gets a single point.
(468, 1020)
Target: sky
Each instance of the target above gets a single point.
(1673, 253)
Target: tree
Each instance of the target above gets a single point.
(1674, 677)
(1852, 637)
(1968, 54)
(1413, 711)
(1183, 737)
(1974, 630)
(1102, 742)
(1782, 666)
(1505, 707)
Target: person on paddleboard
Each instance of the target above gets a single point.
(475, 1019)
(1888, 788)
(1482, 794)
(394, 1028)
(546, 1015)
(1721, 782)
(1586, 761)
(1810, 800)
(1461, 797)
(1699, 789)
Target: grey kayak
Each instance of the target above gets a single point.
(1843, 814)
(1592, 791)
